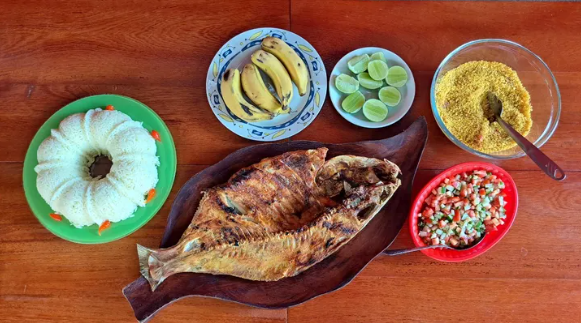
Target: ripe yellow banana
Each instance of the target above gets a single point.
(232, 95)
(277, 73)
(293, 63)
(256, 90)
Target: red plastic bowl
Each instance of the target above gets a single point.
(491, 238)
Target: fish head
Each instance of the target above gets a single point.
(345, 173)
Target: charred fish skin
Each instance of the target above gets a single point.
(232, 212)
(235, 233)
(288, 253)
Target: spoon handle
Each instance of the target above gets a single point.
(544, 162)
(397, 252)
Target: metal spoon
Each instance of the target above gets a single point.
(544, 162)
(397, 252)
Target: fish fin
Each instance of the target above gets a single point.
(147, 264)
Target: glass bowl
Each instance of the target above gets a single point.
(532, 71)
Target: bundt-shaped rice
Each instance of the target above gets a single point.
(64, 158)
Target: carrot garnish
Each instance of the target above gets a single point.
(155, 135)
(150, 195)
(104, 226)
(109, 108)
(56, 217)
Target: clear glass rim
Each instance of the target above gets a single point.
(547, 132)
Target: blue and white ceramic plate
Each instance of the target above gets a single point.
(235, 54)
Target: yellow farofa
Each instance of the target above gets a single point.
(461, 99)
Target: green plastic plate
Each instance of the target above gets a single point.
(166, 171)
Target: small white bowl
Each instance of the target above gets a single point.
(408, 91)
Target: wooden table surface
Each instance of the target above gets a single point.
(158, 52)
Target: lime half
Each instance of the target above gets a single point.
(377, 70)
(389, 95)
(353, 102)
(358, 64)
(346, 84)
(378, 56)
(367, 82)
(397, 76)
(375, 110)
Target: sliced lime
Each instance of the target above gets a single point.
(346, 84)
(390, 96)
(358, 64)
(367, 82)
(377, 70)
(353, 102)
(378, 56)
(374, 110)
(397, 76)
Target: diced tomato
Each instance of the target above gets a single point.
(453, 242)
(490, 228)
(480, 173)
(104, 226)
(428, 212)
(109, 108)
(155, 135)
(457, 215)
(56, 217)
(464, 200)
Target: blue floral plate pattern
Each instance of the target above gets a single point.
(235, 54)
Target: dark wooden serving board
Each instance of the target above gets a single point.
(332, 273)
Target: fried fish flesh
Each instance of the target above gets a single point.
(277, 218)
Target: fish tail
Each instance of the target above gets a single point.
(149, 265)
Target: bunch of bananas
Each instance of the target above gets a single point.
(282, 64)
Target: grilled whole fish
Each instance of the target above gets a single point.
(277, 218)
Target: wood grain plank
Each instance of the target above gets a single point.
(158, 52)
(445, 299)
(41, 271)
(201, 139)
(442, 153)
(123, 42)
(424, 35)
(543, 243)
(424, 32)
(44, 278)
(198, 135)
(532, 275)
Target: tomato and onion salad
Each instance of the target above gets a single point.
(461, 209)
